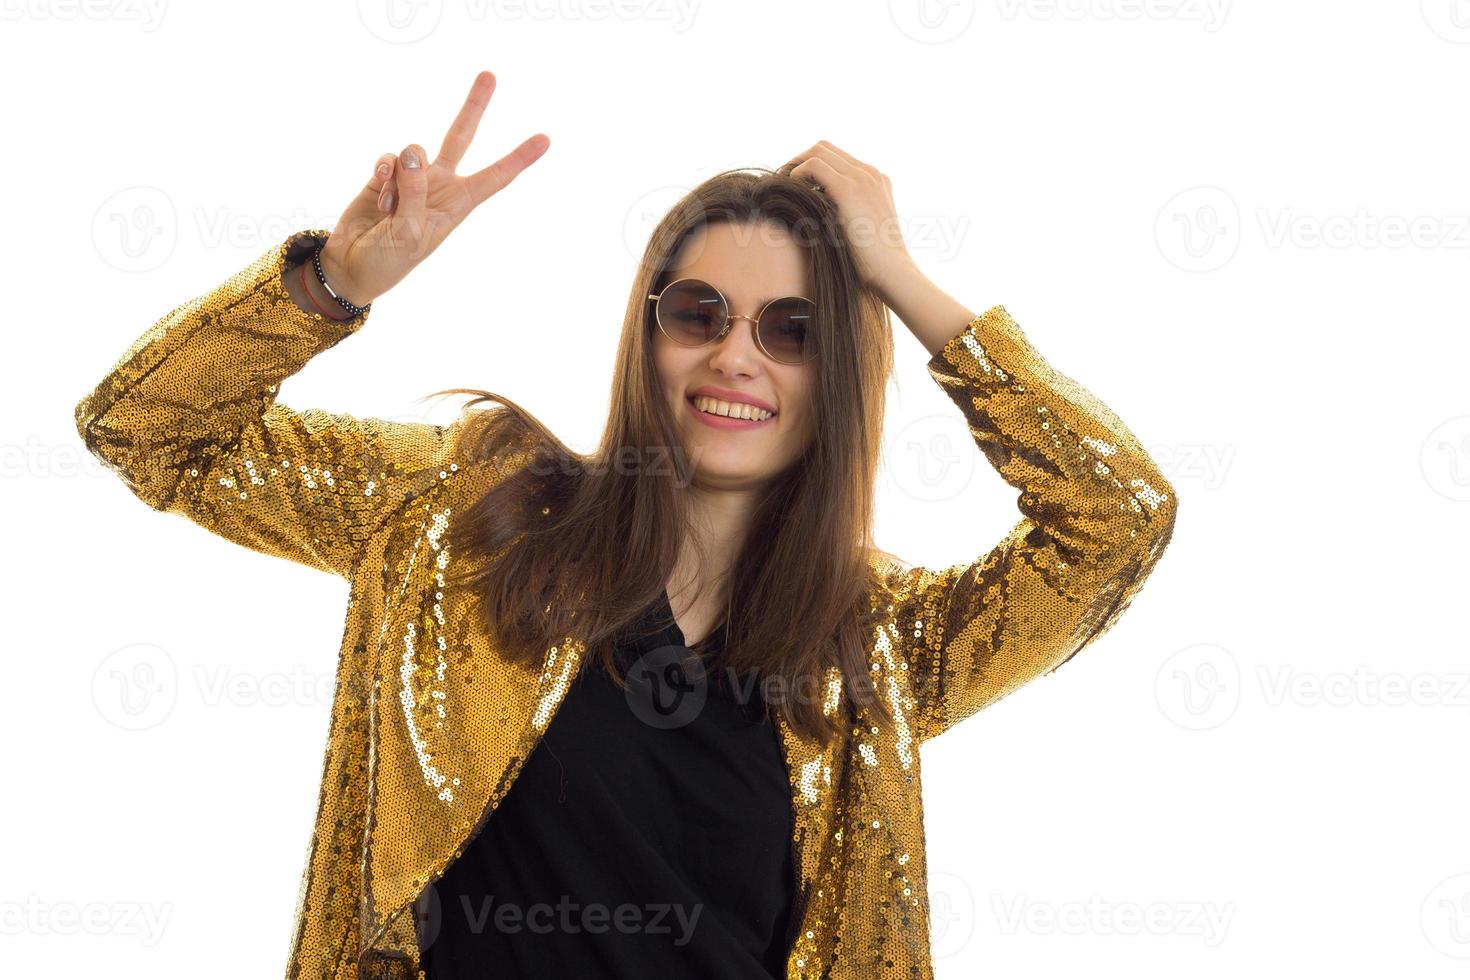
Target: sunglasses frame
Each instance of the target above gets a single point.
(730, 319)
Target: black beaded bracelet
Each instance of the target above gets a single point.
(316, 263)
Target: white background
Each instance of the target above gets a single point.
(1238, 224)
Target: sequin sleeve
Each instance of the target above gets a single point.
(188, 418)
(1097, 514)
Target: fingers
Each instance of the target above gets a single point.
(847, 164)
(462, 130)
(838, 161)
(381, 185)
(841, 155)
(822, 150)
(817, 170)
(486, 183)
(382, 173)
(412, 180)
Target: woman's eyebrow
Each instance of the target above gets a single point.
(760, 303)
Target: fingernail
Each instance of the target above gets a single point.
(410, 160)
(384, 169)
(388, 201)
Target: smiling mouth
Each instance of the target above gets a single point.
(728, 415)
(708, 405)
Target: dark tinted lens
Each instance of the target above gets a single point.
(787, 329)
(691, 312)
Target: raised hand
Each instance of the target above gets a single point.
(864, 198)
(411, 205)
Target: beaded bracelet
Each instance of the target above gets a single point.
(314, 301)
(316, 263)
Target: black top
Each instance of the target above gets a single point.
(647, 835)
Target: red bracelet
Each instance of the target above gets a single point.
(307, 291)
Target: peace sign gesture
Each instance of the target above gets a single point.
(410, 205)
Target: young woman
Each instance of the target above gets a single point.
(656, 710)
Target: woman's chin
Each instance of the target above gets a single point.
(711, 473)
(721, 462)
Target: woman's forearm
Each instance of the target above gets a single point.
(929, 312)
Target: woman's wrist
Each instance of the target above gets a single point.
(931, 314)
(337, 279)
(307, 293)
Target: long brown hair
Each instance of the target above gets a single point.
(583, 544)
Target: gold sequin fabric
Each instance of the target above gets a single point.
(429, 729)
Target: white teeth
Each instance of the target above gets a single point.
(737, 410)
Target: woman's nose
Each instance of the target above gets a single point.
(736, 352)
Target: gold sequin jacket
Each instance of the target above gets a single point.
(429, 729)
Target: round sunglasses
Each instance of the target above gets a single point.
(692, 313)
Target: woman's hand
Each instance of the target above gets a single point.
(411, 205)
(864, 199)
